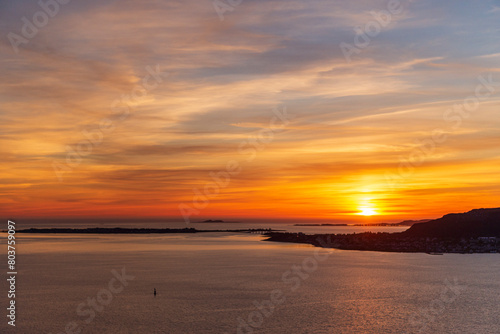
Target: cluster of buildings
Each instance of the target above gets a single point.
(392, 242)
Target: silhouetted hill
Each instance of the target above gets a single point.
(412, 222)
(472, 224)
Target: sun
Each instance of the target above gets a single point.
(367, 211)
(367, 205)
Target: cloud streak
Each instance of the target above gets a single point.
(352, 121)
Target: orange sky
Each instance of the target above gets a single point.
(157, 97)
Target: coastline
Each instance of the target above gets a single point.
(125, 230)
(391, 242)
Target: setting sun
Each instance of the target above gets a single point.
(367, 211)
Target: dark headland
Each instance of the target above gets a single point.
(476, 231)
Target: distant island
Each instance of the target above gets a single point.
(403, 223)
(476, 231)
(219, 221)
(321, 224)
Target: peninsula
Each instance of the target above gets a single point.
(120, 230)
(476, 231)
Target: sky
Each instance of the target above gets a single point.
(330, 110)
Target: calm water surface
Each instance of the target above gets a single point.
(216, 283)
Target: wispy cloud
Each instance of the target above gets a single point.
(352, 120)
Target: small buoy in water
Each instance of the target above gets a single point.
(154, 292)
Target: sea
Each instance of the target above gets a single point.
(225, 282)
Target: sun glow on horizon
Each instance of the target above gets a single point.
(251, 120)
(367, 204)
(367, 211)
